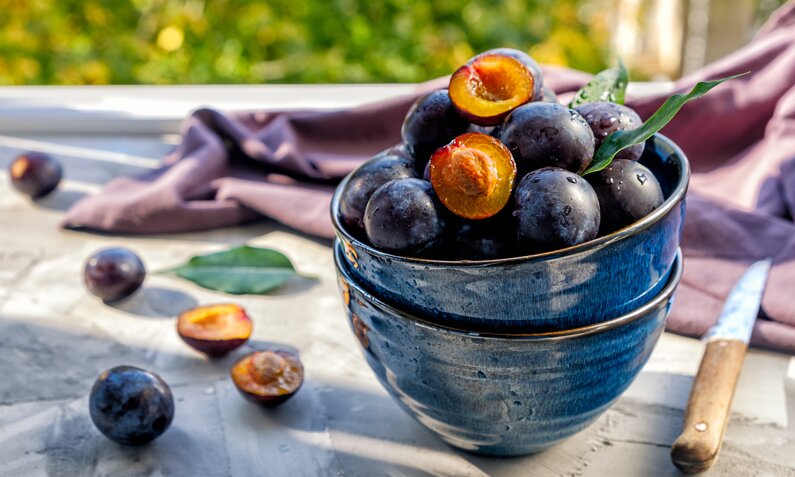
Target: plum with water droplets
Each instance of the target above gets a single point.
(389, 165)
(547, 135)
(554, 208)
(404, 215)
(431, 123)
(130, 405)
(605, 118)
(627, 192)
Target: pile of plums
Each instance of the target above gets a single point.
(492, 167)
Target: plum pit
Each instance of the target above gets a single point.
(473, 176)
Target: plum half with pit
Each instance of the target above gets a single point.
(404, 215)
(627, 192)
(114, 273)
(268, 378)
(130, 405)
(431, 123)
(554, 208)
(492, 84)
(35, 174)
(605, 118)
(547, 135)
(473, 176)
(389, 165)
(215, 329)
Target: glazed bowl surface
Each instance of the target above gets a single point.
(573, 287)
(500, 393)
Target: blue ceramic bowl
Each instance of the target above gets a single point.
(503, 394)
(568, 288)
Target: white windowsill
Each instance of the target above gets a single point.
(160, 109)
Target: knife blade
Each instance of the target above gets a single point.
(707, 412)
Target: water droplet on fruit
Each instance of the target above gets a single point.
(535, 180)
(567, 210)
(482, 375)
(642, 178)
(573, 180)
(609, 180)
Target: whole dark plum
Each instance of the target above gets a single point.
(431, 123)
(35, 174)
(371, 175)
(605, 118)
(130, 405)
(404, 216)
(113, 273)
(525, 59)
(627, 191)
(554, 208)
(547, 134)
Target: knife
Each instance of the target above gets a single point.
(707, 413)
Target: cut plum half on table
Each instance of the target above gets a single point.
(473, 176)
(268, 378)
(215, 329)
(490, 86)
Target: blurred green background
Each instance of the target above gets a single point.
(293, 41)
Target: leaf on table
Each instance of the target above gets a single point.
(239, 270)
(623, 139)
(608, 85)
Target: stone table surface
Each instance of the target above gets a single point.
(55, 339)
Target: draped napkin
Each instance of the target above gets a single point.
(740, 139)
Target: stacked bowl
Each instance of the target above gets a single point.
(510, 356)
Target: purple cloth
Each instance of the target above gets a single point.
(740, 139)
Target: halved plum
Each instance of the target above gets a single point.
(490, 86)
(215, 329)
(473, 176)
(526, 60)
(268, 378)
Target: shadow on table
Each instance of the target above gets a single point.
(370, 432)
(60, 200)
(156, 302)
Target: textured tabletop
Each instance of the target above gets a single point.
(55, 339)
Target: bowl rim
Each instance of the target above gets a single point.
(662, 297)
(657, 214)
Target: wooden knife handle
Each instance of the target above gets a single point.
(708, 408)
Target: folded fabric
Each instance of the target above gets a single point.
(740, 140)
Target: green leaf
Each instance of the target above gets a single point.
(623, 139)
(608, 85)
(239, 270)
